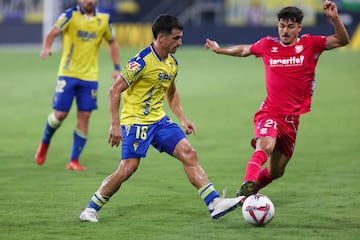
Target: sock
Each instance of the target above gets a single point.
(97, 201)
(208, 193)
(254, 165)
(264, 179)
(52, 125)
(78, 145)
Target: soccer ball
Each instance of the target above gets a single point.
(258, 210)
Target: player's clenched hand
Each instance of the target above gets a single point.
(330, 9)
(115, 136)
(189, 127)
(45, 52)
(213, 45)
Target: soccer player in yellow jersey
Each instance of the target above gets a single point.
(144, 83)
(83, 28)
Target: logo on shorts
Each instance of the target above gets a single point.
(169, 120)
(127, 129)
(93, 93)
(263, 131)
(135, 145)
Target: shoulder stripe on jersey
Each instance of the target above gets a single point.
(68, 15)
(138, 61)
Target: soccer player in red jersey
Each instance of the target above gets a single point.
(290, 63)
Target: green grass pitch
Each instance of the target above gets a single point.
(318, 198)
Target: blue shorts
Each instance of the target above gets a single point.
(68, 88)
(164, 135)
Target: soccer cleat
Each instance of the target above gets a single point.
(75, 165)
(225, 205)
(40, 155)
(246, 189)
(89, 215)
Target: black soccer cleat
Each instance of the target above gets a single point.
(246, 189)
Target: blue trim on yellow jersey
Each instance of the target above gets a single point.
(151, 48)
(148, 77)
(155, 53)
(82, 36)
(68, 13)
(139, 58)
(174, 59)
(96, 11)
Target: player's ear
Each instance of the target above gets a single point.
(161, 37)
(300, 27)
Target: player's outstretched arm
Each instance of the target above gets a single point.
(236, 50)
(341, 36)
(173, 99)
(114, 54)
(115, 91)
(48, 41)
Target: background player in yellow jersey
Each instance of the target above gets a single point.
(83, 28)
(143, 85)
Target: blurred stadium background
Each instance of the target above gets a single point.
(24, 22)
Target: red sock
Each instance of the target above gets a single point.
(263, 180)
(254, 165)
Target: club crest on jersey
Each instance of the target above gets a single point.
(299, 48)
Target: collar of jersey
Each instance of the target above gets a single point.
(155, 53)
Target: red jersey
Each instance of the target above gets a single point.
(289, 73)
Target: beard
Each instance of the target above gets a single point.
(89, 7)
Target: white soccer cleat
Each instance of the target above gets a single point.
(89, 215)
(221, 206)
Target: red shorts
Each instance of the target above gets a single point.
(283, 128)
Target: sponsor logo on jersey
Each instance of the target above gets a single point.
(164, 76)
(134, 65)
(86, 36)
(287, 62)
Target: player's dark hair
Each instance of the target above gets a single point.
(165, 23)
(291, 13)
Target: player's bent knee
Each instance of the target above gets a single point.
(128, 167)
(277, 174)
(184, 150)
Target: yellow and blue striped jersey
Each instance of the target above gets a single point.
(82, 36)
(148, 78)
